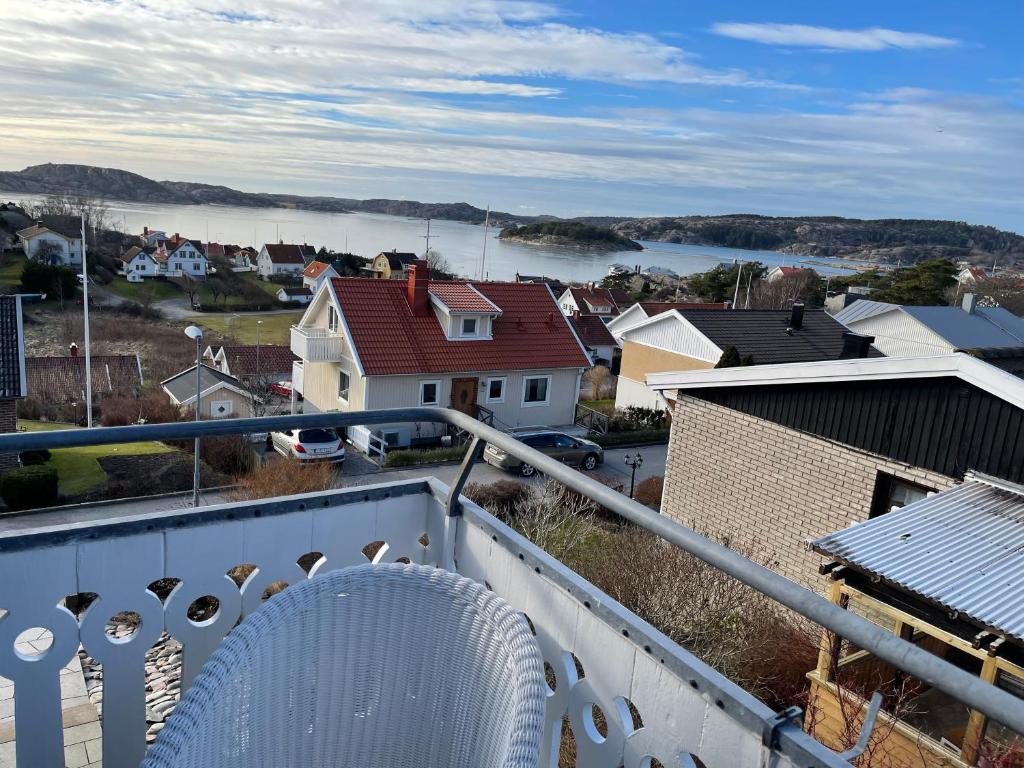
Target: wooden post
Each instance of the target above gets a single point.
(976, 724)
(829, 642)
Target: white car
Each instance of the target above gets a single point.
(309, 444)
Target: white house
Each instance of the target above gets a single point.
(221, 396)
(922, 331)
(971, 276)
(139, 263)
(294, 295)
(588, 301)
(152, 236)
(498, 351)
(283, 259)
(777, 273)
(316, 273)
(57, 245)
(180, 256)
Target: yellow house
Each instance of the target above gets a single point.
(222, 396)
(392, 265)
(943, 573)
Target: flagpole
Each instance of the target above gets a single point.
(85, 320)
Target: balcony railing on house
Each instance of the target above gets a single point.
(316, 345)
(601, 655)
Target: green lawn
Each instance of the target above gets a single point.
(604, 406)
(160, 289)
(78, 470)
(242, 328)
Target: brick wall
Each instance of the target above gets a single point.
(768, 488)
(8, 423)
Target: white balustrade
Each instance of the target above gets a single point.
(601, 656)
(316, 345)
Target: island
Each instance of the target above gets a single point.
(573, 234)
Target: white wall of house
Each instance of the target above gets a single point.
(62, 250)
(300, 298)
(265, 267)
(140, 267)
(187, 260)
(635, 393)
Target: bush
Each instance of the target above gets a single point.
(37, 277)
(30, 487)
(413, 456)
(648, 492)
(499, 498)
(285, 477)
(639, 437)
(230, 454)
(34, 458)
(636, 418)
(152, 408)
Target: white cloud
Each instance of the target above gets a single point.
(802, 35)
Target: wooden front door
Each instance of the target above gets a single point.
(464, 396)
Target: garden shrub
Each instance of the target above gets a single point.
(30, 487)
(413, 456)
(33, 458)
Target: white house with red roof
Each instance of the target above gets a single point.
(501, 349)
(316, 273)
(591, 300)
(283, 259)
(179, 256)
(777, 273)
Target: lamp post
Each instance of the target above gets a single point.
(195, 332)
(258, 324)
(635, 462)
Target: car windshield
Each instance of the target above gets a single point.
(317, 436)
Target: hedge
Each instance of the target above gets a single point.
(30, 487)
(413, 456)
(637, 437)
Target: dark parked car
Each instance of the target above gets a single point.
(558, 445)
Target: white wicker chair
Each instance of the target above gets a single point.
(376, 666)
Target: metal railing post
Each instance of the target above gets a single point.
(453, 506)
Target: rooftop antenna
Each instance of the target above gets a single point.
(483, 255)
(427, 236)
(277, 230)
(736, 293)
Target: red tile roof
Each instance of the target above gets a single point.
(289, 253)
(531, 332)
(314, 269)
(657, 307)
(62, 379)
(793, 270)
(592, 330)
(215, 249)
(461, 297)
(274, 359)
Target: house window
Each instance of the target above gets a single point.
(429, 392)
(332, 319)
(892, 492)
(496, 390)
(536, 390)
(343, 385)
(469, 326)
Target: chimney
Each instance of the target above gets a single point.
(796, 316)
(145, 231)
(417, 287)
(969, 303)
(855, 345)
(73, 349)
(177, 237)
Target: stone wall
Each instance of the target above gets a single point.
(766, 488)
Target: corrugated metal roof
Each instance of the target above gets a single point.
(962, 549)
(985, 327)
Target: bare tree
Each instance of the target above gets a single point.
(189, 285)
(440, 268)
(600, 380)
(783, 292)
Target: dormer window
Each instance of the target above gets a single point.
(469, 326)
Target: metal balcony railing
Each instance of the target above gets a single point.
(601, 655)
(316, 345)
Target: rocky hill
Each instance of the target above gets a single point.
(883, 240)
(573, 234)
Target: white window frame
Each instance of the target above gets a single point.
(348, 387)
(462, 327)
(437, 391)
(547, 392)
(215, 403)
(487, 391)
(333, 319)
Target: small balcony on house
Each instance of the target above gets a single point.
(140, 601)
(316, 345)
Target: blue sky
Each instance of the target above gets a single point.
(645, 108)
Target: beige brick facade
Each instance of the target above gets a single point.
(766, 488)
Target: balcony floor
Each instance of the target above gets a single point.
(82, 740)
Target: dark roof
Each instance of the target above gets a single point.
(762, 334)
(622, 298)
(652, 308)
(62, 379)
(396, 259)
(289, 253)
(592, 330)
(273, 359)
(63, 229)
(961, 550)
(12, 349)
(291, 291)
(531, 333)
(183, 385)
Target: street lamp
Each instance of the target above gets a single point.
(258, 324)
(635, 462)
(195, 332)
